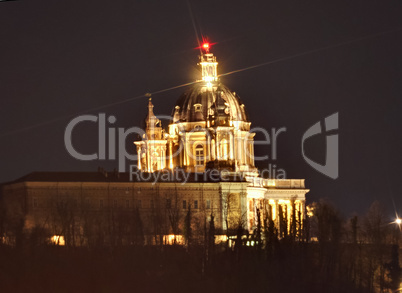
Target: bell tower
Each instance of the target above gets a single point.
(151, 149)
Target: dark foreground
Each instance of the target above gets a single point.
(290, 268)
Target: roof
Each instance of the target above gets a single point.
(218, 100)
(74, 177)
(103, 176)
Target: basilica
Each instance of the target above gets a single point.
(209, 126)
(210, 130)
(208, 141)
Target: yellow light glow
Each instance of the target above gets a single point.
(273, 205)
(170, 239)
(284, 201)
(220, 239)
(171, 156)
(271, 183)
(57, 240)
(209, 68)
(310, 211)
(398, 221)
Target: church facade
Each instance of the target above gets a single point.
(210, 130)
(208, 139)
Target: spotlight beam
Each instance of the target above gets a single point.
(60, 118)
(311, 51)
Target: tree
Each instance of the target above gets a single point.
(233, 218)
(353, 226)
(293, 223)
(187, 231)
(174, 213)
(328, 224)
(211, 235)
(394, 269)
(283, 222)
(63, 219)
(258, 231)
(270, 232)
(376, 232)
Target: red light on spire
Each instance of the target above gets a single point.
(205, 45)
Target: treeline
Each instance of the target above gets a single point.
(325, 253)
(361, 250)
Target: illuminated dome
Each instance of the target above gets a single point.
(199, 103)
(210, 129)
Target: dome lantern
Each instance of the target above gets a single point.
(208, 66)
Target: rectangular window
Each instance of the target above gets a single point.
(127, 203)
(208, 204)
(35, 202)
(151, 203)
(139, 204)
(184, 204)
(199, 155)
(115, 203)
(168, 203)
(196, 204)
(101, 203)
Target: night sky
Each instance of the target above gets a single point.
(60, 59)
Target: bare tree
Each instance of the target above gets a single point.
(231, 214)
(187, 230)
(173, 207)
(376, 232)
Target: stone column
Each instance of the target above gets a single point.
(231, 145)
(213, 147)
(207, 155)
(139, 157)
(303, 209)
(148, 158)
(184, 140)
(248, 214)
(289, 212)
(217, 146)
(276, 214)
(252, 153)
(171, 165)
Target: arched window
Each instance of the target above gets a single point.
(199, 155)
